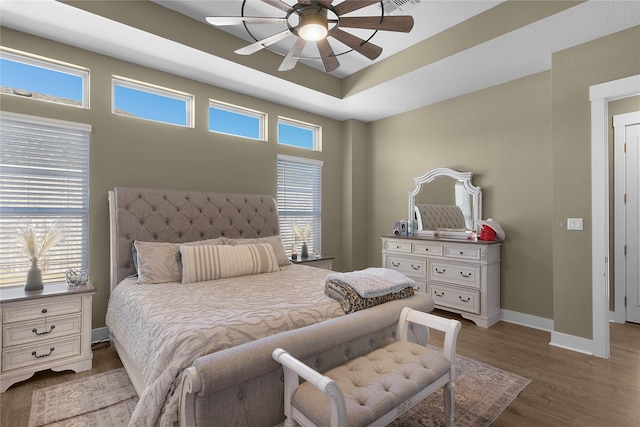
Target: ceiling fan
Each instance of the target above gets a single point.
(315, 21)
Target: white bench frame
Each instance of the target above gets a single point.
(294, 369)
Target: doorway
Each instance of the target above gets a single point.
(627, 220)
(600, 95)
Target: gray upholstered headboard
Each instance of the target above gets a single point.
(156, 215)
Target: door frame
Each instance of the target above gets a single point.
(600, 95)
(620, 121)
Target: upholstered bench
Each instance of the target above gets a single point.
(374, 389)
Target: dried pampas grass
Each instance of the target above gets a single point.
(32, 247)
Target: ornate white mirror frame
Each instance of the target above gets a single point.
(461, 177)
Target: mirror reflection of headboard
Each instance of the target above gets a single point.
(451, 201)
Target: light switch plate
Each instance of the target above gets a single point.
(574, 223)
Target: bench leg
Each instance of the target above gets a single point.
(449, 393)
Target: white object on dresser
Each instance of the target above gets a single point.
(45, 329)
(461, 276)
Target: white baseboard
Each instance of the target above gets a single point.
(528, 320)
(99, 334)
(572, 342)
(568, 342)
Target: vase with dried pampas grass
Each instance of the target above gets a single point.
(35, 249)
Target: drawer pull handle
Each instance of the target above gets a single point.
(437, 294)
(395, 264)
(44, 311)
(397, 246)
(461, 253)
(426, 249)
(440, 271)
(415, 267)
(464, 300)
(465, 275)
(35, 330)
(39, 356)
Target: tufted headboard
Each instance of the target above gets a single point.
(435, 217)
(156, 215)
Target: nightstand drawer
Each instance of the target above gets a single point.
(411, 267)
(31, 355)
(468, 275)
(41, 310)
(39, 330)
(450, 296)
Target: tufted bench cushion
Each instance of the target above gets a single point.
(374, 384)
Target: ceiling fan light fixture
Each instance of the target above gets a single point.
(313, 26)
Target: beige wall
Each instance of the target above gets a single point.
(574, 71)
(131, 152)
(502, 135)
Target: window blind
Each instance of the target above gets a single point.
(299, 201)
(44, 182)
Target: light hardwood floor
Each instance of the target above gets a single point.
(567, 388)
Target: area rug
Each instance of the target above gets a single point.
(102, 400)
(108, 399)
(482, 393)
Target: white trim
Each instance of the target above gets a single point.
(287, 158)
(572, 342)
(528, 320)
(45, 120)
(600, 95)
(100, 334)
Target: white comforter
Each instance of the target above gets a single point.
(165, 327)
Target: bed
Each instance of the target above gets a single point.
(197, 346)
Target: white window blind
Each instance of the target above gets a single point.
(299, 201)
(44, 181)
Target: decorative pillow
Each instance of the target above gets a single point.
(211, 262)
(159, 262)
(274, 241)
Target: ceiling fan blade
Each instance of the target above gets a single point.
(219, 21)
(350, 5)
(291, 59)
(279, 4)
(325, 3)
(364, 47)
(254, 47)
(329, 59)
(403, 24)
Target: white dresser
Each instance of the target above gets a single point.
(47, 329)
(461, 276)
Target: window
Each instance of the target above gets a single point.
(43, 79)
(150, 102)
(238, 121)
(299, 134)
(44, 181)
(299, 200)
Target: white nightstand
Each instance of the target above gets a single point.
(320, 261)
(46, 329)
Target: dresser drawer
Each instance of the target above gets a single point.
(35, 354)
(39, 330)
(408, 266)
(397, 245)
(41, 310)
(450, 296)
(468, 275)
(463, 252)
(432, 249)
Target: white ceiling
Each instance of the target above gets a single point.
(524, 51)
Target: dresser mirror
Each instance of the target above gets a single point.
(445, 203)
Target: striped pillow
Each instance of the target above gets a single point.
(211, 262)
